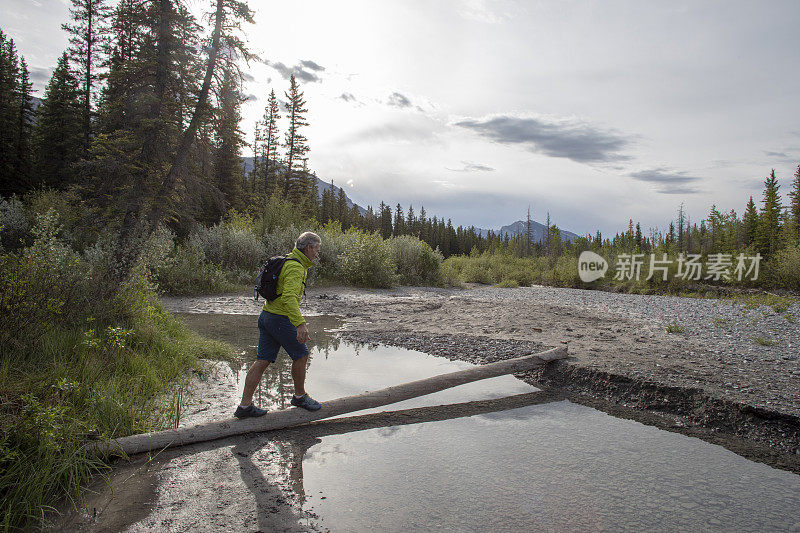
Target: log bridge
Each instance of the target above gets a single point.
(158, 440)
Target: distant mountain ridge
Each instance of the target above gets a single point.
(537, 231)
(322, 186)
(514, 229)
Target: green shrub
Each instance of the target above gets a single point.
(79, 357)
(328, 265)
(416, 262)
(186, 272)
(783, 269)
(14, 226)
(229, 247)
(366, 260)
(477, 271)
(280, 241)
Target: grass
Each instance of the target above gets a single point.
(674, 327)
(85, 383)
(763, 341)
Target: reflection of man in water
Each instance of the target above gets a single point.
(281, 324)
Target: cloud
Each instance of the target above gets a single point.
(399, 100)
(578, 141)
(780, 156)
(401, 131)
(301, 71)
(479, 10)
(472, 167)
(312, 65)
(347, 97)
(39, 74)
(247, 77)
(670, 181)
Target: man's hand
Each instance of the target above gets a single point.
(302, 333)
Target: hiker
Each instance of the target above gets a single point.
(281, 324)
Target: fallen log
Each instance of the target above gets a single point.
(291, 417)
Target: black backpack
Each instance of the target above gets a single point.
(267, 279)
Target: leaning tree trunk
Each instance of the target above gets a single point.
(292, 417)
(167, 188)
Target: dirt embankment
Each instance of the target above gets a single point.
(709, 379)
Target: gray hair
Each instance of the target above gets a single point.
(307, 238)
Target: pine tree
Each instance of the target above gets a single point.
(24, 128)
(342, 211)
(794, 206)
(399, 221)
(269, 156)
(768, 231)
(88, 39)
(681, 224)
(58, 137)
(715, 225)
(227, 158)
(9, 116)
(255, 172)
(354, 218)
(295, 142)
(528, 233)
(385, 221)
(546, 236)
(411, 222)
(750, 219)
(638, 238)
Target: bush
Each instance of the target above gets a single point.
(280, 241)
(416, 262)
(44, 285)
(79, 229)
(14, 226)
(229, 247)
(366, 260)
(186, 272)
(328, 264)
(783, 269)
(79, 358)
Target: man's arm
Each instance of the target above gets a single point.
(292, 291)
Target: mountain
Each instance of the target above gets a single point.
(322, 186)
(537, 231)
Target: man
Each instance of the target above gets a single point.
(281, 324)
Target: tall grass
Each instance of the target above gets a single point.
(79, 360)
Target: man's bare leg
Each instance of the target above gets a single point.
(299, 375)
(251, 381)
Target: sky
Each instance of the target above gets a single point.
(594, 111)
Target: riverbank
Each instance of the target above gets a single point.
(718, 369)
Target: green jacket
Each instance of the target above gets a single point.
(291, 283)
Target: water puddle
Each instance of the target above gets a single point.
(492, 464)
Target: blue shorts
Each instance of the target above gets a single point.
(275, 331)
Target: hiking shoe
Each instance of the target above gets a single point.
(306, 402)
(249, 411)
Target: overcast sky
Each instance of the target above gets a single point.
(594, 111)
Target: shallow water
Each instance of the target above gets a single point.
(556, 466)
